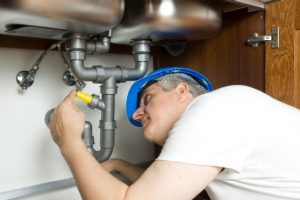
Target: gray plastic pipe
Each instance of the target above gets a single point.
(107, 123)
(77, 46)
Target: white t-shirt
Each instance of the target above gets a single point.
(253, 136)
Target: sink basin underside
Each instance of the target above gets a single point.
(157, 20)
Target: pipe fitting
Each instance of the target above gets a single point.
(106, 145)
(140, 46)
(141, 56)
(105, 73)
(145, 57)
(75, 42)
(96, 46)
(96, 103)
(93, 101)
(77, 55)
(81, 72)
(88, 137)
(76, 45)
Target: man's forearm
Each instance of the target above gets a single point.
(92, 180)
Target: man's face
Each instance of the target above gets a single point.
(157, 113)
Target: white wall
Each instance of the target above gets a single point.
(28, 154)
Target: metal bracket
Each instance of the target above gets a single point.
(256, 39)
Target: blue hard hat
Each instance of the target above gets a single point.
(132, 102)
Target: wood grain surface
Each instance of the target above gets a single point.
(225, 59)
(282, 64)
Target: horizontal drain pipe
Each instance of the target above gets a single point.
(78, 45)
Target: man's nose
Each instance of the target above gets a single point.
(139, 113)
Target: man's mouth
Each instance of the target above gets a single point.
(145, 121)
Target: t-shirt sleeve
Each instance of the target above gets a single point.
(210, 133)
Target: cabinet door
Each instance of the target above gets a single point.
(225, 58)
(283, 64)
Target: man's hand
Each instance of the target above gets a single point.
(67, 122)
(92, 180)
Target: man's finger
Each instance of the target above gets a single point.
(70, 97)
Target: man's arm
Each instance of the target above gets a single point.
(93, 181)
(162, 180)
(131, 171)
(172, 180)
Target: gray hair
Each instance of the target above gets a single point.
(170, 81)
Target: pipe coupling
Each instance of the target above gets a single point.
(75, 42)
(87, 135)
(107, 125)
(109, 90)
(141, 57)
(77, 55)
(104, 73)
(96, 103)
(96, 46)
(140, 46)
(124, 74)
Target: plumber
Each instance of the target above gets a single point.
(235, 142)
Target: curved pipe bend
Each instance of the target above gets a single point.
(104, 153)
(135, 73)
(82, 72)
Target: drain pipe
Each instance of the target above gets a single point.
(141, 57)
(107, 123)
(77, 46)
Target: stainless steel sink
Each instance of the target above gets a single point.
(161, 20)
(52, 18)
(156, 20)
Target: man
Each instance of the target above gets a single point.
(236, 142)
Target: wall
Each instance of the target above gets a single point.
(28, 155)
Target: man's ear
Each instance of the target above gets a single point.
(182, 90)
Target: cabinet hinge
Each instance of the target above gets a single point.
(256, 39)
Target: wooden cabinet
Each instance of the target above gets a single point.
(225, 59)
(283, 64)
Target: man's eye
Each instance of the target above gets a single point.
(147, 99)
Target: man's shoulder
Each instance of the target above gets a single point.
(236, 89)
(232, 93)
(230, 99)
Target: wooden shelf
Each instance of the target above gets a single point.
(248, 3)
